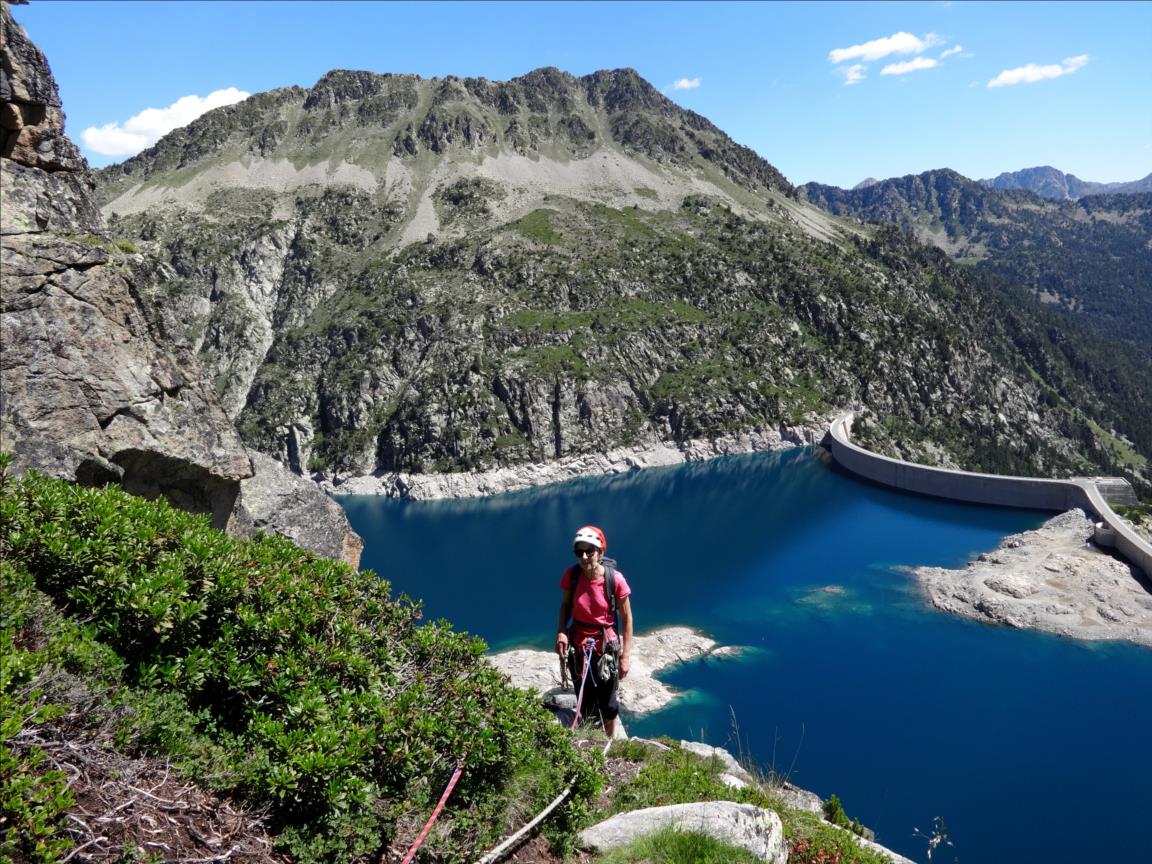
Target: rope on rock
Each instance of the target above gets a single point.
(440, 806)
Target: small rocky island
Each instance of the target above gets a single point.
(1052, 579)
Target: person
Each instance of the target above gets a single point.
(585, 613)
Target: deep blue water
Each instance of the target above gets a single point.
(1030, 747)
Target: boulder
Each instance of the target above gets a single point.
(277, 501)
(745, 826)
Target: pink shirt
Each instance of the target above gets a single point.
(590, 605)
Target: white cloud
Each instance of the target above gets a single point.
(853, 74)
(897, 43)
(152, 124)
(951, 51)
(1032, 73)
(909, 66)
(686, 84)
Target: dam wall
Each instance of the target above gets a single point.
(1089, 494)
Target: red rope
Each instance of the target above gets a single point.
(428, 826)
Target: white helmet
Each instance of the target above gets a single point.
(591, 535)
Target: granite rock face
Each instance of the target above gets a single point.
(274, 500)
(94, 388)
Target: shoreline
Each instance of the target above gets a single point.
(641, 692)
(515, 478)
(1053, 579)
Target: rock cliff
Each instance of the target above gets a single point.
(95, 388)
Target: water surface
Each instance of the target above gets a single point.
(1030, 747)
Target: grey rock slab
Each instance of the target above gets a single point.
(731, 766)
(745, 826)
(274, 500)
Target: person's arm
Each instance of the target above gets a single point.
(562, 623)
(625, 636)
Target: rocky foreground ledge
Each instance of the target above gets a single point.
(478, 484)
(1052, 579)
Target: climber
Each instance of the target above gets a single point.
(593, 591)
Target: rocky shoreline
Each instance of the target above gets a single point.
(640, 692)
(477, 484)
(1053, 579)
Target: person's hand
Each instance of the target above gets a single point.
(624, 664)
(562, 644)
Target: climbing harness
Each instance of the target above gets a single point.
(589, 647)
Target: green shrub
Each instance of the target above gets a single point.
(292, 682)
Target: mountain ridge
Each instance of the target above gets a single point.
(430, 275)
(1091, 257)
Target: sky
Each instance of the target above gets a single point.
(825, 91)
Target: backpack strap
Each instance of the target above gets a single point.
(610, 587)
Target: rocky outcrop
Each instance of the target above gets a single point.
(746, 826)
(641, 692)
(1052, 579)
(274, 500)
(94, 387)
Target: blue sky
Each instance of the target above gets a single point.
(832, 92)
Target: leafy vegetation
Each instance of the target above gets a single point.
(288, 682)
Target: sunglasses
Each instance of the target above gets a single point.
(581, 551)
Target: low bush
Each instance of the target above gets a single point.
(294, 683)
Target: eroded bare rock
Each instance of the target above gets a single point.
(1052, 579)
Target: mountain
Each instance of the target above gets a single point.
(389, 273)
(1048, 182)
(93, 389)
(1091, 258)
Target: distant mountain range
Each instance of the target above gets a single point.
(1091, 258)
(390, 273)
(1051, 183)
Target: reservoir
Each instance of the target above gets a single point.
(1029, 747)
